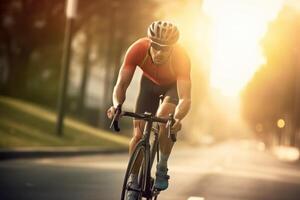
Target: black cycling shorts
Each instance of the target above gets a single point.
(148, 98)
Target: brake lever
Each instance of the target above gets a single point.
(115, 123)
(116, 126)
(170, 123)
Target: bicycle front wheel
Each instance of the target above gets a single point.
(137, 158)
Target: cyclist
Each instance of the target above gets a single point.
(166, 70)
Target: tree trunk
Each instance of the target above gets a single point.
(85, 74)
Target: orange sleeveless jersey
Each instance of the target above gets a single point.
(177, 67)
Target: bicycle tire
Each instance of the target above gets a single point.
(140, 148)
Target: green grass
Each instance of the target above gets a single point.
(24, 124)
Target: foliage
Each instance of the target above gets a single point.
(31, 38)
(271, 93)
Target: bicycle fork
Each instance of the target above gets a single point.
(150, 152)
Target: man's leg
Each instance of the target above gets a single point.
(166, 145)
(138, 127)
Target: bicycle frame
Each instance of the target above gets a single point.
(150, 151)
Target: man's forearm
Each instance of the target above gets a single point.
(182, 108)
(119, 95)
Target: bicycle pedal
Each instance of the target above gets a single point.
(156, 192)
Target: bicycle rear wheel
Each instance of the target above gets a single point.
(139, 151)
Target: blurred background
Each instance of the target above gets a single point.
(245, 59)
(244, 54)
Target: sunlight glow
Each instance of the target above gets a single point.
(194, 31)
(237, 28)
(286, 153)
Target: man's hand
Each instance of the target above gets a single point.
(112, 111)
(176, 126)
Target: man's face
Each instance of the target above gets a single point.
(160, 54)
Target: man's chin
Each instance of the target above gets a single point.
(159, 62)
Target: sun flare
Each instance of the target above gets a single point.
(237, 28)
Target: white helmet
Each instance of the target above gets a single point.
(163, 32)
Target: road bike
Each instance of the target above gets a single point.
(146, 151)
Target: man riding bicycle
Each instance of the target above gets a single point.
(166, 70)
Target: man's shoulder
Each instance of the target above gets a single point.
(137, 51)
(144, 40)
(142, 43)
(139, 47)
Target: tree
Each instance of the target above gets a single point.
(25, 25)
(271, 93)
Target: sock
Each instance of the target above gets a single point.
(163, 162)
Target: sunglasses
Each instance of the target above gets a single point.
(159, 47)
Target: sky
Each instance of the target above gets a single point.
(237, 29)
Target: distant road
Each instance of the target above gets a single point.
(235, 170)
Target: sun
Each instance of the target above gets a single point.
(237, 28)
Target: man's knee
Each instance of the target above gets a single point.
(138, 127)
(165, 109)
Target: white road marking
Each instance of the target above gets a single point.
(195, 198)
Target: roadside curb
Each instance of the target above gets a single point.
(26, 153)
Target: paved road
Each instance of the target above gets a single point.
(235, 170)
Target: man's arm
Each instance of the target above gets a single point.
(124, 79)
(183, 70)
(184, 94)
(131, 60)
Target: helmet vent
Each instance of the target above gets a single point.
(163, 32)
